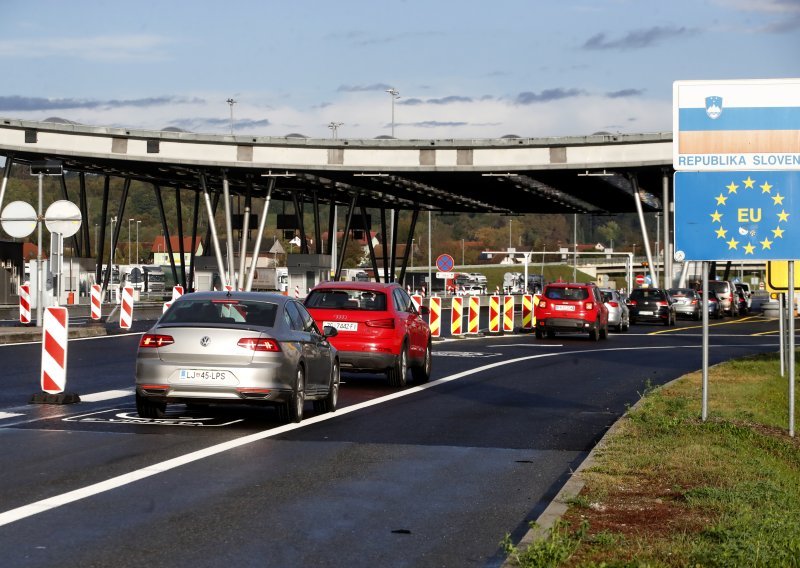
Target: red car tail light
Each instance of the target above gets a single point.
(614, 304)
(694, 302)
(588, 306)
(259, 344)
(631, 302)
(542, 303)
(381, 323)
(155, 340)
(662, 304)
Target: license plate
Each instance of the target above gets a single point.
(645, 313)
(203, 375)
(342, 325)
(565, 308)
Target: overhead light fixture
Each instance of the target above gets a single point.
(597, 174)
(371, 175)
(507, 174)
(283, 175)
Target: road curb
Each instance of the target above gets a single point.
(33, 334)
(560, 503)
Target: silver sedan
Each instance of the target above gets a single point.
(618, 314)
(237, 347)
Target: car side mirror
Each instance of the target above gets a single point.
(330, 331)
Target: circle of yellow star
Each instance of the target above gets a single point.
(721, 199)
(748, 183)
(716, 216)
(749, 248)
(721, 233)
(766, 187)
(783, 216)
(732, 244)
(766, 244)
(732, 187)
(777, 233)
(777, 199)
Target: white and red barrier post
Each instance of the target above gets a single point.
(126, 308)
(97, 301)
(25, 304)
(53, 378)
(177, 292)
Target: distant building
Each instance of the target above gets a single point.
(161, 254)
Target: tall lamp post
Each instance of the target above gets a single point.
(231, 102)
(137, 241)
(129, 239)
(334, 126)
(395, 94)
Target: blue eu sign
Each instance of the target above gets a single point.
(739, 215)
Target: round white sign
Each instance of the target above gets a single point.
(63, 217)
(18, 219)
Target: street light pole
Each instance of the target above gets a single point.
(137, 241)
(334, 126)
(395, 94)
(231, 102)
(129, 240)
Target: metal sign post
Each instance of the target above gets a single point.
(705, 340)
(791, 348)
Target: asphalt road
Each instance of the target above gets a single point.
(433, 475)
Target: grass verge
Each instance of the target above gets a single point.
(670, 490)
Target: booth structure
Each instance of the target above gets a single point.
(306, 271)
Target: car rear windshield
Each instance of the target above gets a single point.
(608, 297)
(680, 292)
(639, 293)
(221, 312)
(346, 300)
(566, 293)
(719, 287)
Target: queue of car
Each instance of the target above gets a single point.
(269, 349)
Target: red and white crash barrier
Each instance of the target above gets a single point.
(297, 292)
(126, 308)
(54, 350)
(177, 292)
(97, 301)
(25, 304)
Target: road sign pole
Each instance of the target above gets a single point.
(781, 334)
(39, 272)
(791, 348)
(705, 304)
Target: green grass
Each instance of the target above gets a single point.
(668, 489)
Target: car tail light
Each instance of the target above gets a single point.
(382, 323)
(694, 302)
(588, 306)
(631, 302)
(614, 304)
(542, 303)
(155, 340)
(662, 303)
(259, 344)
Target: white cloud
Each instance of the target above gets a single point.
(97, 48)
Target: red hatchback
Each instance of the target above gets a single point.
(570, 308)
(380, 330)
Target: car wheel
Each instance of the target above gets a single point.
(397, 374)
(604, 332)
(149, 408)
(674, 320)
(328, 404)
(422, 373)
(539, 334)
(292, 410)
(594, 334)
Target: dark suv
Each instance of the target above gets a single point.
(651, 304)
(571, 308)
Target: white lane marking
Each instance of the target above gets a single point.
(31, 509)
(9, 415)
(107, 395)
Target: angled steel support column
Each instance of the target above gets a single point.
(213, 230)
(181, 246)
(638, 200)
(385, 243)
(115, 237)
(84, 205)
(409, 242)
(165, 228)
(226, 195)
(345, 236)
(76, 244)
(102, 243)
(668, 276)
(195, 216)
(261, 224)
(207, 240)
(6, 173)
(245, 232)
(298, 214)
(317, 226)
(371, 249)
(331, 228)
(393, 253)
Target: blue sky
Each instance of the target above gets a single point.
(463, 68)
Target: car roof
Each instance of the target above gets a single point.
(273, 297)
(347, 285)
